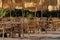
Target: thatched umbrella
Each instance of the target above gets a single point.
(7, 4)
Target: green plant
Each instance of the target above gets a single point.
(29, 14)
(3, 12)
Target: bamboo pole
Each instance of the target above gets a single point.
(2, 21)
(10, 4)
(35, 16)
(22, 34)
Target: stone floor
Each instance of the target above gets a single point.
(32, 38)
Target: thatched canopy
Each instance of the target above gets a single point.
(24, 4)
